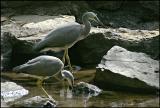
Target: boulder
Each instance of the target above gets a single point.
(107, 5)
(10, 91)
(83, 88)
(90, 50)
(7, 41)
(29, 29)
(125, 70)
(3, 104)
(151, 5)
(18, 37)
(36, 101)
(42, 8)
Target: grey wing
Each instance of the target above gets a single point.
(61, 37)
(34, 60)
(28, 66)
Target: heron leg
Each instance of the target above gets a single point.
(57, 79)
(63, 84)
(39, 84)
(68, 60)
(63, 59)
(56, 76)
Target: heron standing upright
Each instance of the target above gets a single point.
(45, 67)
(64, 37)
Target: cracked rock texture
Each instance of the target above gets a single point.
(125, 69)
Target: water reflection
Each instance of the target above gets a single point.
(86, 99)
(65, 98)
(66, 93)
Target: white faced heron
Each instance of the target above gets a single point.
(44, 67)
(68, 76)
(66, 36)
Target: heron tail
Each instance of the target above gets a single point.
(18, 69)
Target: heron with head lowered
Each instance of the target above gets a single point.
(64, 37)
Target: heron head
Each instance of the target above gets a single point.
(93, 16)
(67, 75)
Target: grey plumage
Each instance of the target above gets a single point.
(46, 67)
(61, 37)
(66, 36)
(69, 76)
(41, 66)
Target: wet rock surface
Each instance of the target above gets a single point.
(10, 91)
(34, 25)
(122, 69)
(3, 103)
(36, 101)
(83, 88)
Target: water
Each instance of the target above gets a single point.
(105, 99)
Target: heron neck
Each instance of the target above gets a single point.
(87, 25)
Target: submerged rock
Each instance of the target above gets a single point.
(10, 91)
(86, 89)
(36, 101)
(122, 70)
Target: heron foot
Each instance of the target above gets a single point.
(39, 84)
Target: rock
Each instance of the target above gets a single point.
(3, 104)
(10, 91)
(90, 50)
(7, 42)
(13, 4)
(3, 19)
(17, 39)
(102, 39)
(36, 101)
(124, 70)
(86, 89)
(39, 8)
(152, 5)
(107, 5)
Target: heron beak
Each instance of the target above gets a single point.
(98, 21)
